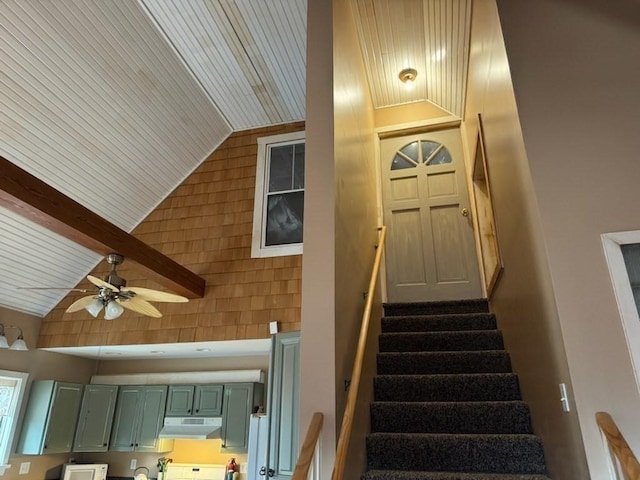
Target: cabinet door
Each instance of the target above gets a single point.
(62, 417)
(284, 388)
(208, 400)
(236, 408)
(151, 418)
(180, 400)
(124, 431)
(96, 418)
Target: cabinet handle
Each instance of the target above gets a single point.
(104, 444)
(131, 445)
(189, 411)
(197, 410)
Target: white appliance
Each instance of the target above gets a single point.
(84, 471)
(257, 446)
(186, 471)
(191, 427)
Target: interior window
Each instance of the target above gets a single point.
(12, 385)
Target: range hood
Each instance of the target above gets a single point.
(191, 427)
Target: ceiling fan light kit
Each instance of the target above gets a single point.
(19, 343)
(115, 297)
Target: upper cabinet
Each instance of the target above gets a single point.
(194, 400)
(96, 418)
(138, 419)
(50, 419)
(240, 401)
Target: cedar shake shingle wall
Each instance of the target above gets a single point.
(205, 225)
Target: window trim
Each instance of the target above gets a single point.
(16, 403)
(611, 243)
(258, 248)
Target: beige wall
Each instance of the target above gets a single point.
(576, 82)
(410, 112)
(40, 366)
(523, 298)
(340, 218)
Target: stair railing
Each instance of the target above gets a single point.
(308, 450)
(352, 396)
(624, 461)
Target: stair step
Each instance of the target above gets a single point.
(451, 417)
(480, 387)
(451, 322)
(464, 453)
(408, 363)
(441, 341)
(408, 475)
(437, 308)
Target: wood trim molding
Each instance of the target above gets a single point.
(33, 199)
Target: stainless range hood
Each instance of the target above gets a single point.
(191, 427)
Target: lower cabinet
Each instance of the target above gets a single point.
(138, 419)
(96, 418)
(50, 418)
(240, 401)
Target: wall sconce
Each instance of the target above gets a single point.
(18, 344)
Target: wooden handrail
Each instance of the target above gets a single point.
(352, 396)
(619, 446)
(308, 447)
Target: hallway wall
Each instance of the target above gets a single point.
(576, 69)
(523, 298)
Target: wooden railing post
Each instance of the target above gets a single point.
(308, 447)
(619, 446)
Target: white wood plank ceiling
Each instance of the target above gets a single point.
(431, 36)
(115, 102)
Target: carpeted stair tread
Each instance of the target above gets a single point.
(430, 323)
(415, 363)
(451, 417)
(408, 475)
(455, 452)
(437, 308)
(483, 387)
(441, 341)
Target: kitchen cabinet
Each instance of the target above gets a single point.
(138, 419)
(194, 400)
(96, 418)
(240, 401)
(50, 418)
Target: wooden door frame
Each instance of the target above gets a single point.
(425, 126)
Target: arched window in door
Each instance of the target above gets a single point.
(420, 152)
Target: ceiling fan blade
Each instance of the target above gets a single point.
(101, 283)
(140, 306)
(155, 295)
(81, 303)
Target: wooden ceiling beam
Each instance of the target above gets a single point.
(31, 198)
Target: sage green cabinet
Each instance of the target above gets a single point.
(284, 404)
(138, 419)
(50, 418)
(194, 400)
(240, 401)
(96, 418)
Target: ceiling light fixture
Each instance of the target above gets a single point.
(19, 343)
(408, 75)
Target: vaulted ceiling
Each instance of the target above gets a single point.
(114, 103)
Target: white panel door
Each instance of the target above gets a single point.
(430, 252)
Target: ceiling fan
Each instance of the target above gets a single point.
(114, 296)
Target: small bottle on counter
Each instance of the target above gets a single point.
(232, 470)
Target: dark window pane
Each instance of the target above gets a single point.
(411, 151)
(443, 156)
(281, 168)
(428, 147)
(399, 163)
(298, 166)
(284, 218)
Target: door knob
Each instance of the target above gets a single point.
(465, 212)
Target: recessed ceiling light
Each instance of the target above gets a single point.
(203, 349)
(158, 352)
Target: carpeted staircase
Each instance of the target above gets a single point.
(447, 406)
